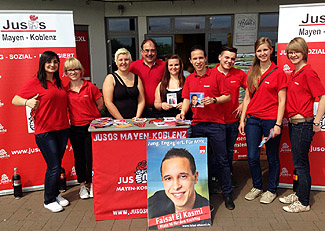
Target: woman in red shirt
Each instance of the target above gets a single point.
(47, 98)
(84, 102)
(303, 87)
(264, 105)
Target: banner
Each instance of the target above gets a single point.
(120, 170)
(24, 36)
(178, 194)
(307, 21)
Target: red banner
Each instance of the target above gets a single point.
(120, 171)
(303, 25)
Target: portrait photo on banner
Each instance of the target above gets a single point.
(178, 195)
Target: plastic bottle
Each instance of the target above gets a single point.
(63, 184)
(16, 183)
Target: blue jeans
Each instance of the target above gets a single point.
(217, 159)
(52, 146)
(301, 135)
(231, 137)
(255, 128)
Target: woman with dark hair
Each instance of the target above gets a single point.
(264, 105)
(168, 96)
(47, 98)
(303, 87)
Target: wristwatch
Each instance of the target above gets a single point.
(316, 124)
(214, 100)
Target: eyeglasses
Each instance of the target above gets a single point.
(149, 50)
(294, 52)
(75, 69)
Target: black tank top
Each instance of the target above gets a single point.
(126, 98)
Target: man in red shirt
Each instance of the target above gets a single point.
(208, 120)
(150, 70)
(235, 78)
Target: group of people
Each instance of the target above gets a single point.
(152, 88)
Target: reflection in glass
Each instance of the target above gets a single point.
(220, 22)
(121, 24)
(126, 42)
(159, 23)
(269, 20)
(165, 46)
(190, 23)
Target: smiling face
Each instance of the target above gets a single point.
(74, 73)
(194, 100)
(123, 62)
(263, 52)
(173, 67)
(227, 60)
(52, 66)
(198, 61)
(179, 181)
(296, 57)
(149, 53)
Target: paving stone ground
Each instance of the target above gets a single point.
(28, 213)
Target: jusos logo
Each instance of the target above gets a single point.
(314, 19)
(31, 24)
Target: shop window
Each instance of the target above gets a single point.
(159, 23)
(220, 21)
(121, 24)
(190, 23)
(268, 26)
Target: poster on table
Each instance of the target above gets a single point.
(307, 21)
(24, 36)
(178, 195)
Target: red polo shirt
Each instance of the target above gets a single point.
(150, 77)
(264, 104)
(82, 105)
(235, 79)
(52, 113)
(303, 88)
(211, 85)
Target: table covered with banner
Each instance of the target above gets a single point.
(120, 167)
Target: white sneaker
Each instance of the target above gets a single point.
(91, 194)
(83, 192)
(296, 207)
(62, 201)
(289, 199)
(54, 207)
(267, 197)
(254, 193)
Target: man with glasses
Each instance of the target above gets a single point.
(150, 69)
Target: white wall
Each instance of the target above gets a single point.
(83, 14)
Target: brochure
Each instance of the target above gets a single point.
(196, 98)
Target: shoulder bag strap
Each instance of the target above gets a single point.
(263, 80)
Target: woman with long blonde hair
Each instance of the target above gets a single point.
(264, 105)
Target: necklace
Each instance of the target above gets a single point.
(219, 69)
(266, 69)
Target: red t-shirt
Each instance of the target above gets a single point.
(303, 87)
(82, 106)
(150, 77)
(235, 79)
(264, 104)
(211, 85)
(52, 113)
